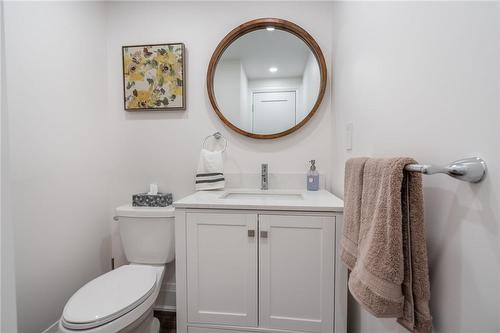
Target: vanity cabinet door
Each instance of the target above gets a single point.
(296, 272)
(222, 268)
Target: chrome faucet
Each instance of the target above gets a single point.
(264, 177)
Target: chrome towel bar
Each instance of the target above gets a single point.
(471, 169)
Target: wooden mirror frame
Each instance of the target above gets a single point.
(259, 24)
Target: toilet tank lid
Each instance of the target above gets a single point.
(131, 211)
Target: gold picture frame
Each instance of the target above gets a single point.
(154, 77)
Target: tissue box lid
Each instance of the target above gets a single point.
(134, 211)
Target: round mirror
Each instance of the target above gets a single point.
(266, 78)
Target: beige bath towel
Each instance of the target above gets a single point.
(416, 285)
(353, 188)
(390, 276)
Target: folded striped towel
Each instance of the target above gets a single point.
(210, 174)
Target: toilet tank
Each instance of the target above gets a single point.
(147, 234)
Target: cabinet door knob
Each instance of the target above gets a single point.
(251, 233)
(263, 234)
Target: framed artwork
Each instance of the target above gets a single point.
(154, 77)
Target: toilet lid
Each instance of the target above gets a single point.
(109, 296)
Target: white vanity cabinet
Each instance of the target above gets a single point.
(221, 268)
(258, 270)
(296, 272)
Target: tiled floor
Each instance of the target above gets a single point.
(167, 321)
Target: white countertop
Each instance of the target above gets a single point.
(319, 201)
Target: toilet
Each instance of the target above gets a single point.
(122, 300)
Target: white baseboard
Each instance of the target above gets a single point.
(52, 328)
(166, 308)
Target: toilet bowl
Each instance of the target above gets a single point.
(122, 300)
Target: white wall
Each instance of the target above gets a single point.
(59, 152)
(8, 314)
(278, 83)
(422, 79)
(164, 147)
(228, 89)
(311, 81)
(245, 111)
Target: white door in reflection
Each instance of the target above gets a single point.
(273, 112)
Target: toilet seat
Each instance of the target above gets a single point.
(109, 297)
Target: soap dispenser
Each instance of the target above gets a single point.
(313, 177)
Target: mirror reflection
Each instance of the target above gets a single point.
(267, 81)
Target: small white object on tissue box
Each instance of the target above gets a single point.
(153, 189)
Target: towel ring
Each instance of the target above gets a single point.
(217, 136)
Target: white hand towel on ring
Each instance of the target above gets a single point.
(210, 173)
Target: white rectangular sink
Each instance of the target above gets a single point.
(262, 194)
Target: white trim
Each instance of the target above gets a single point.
(52, 328)
(180, 270)
(273, 89)
(166, 308)
(169, 286)
(340, 313)
(258, 212)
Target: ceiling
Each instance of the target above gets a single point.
(261, 49)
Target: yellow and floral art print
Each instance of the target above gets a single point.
(153, 77)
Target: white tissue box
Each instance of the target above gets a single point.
(152, 200)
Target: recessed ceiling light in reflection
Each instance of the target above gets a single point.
(273, 69)
(270, 28)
